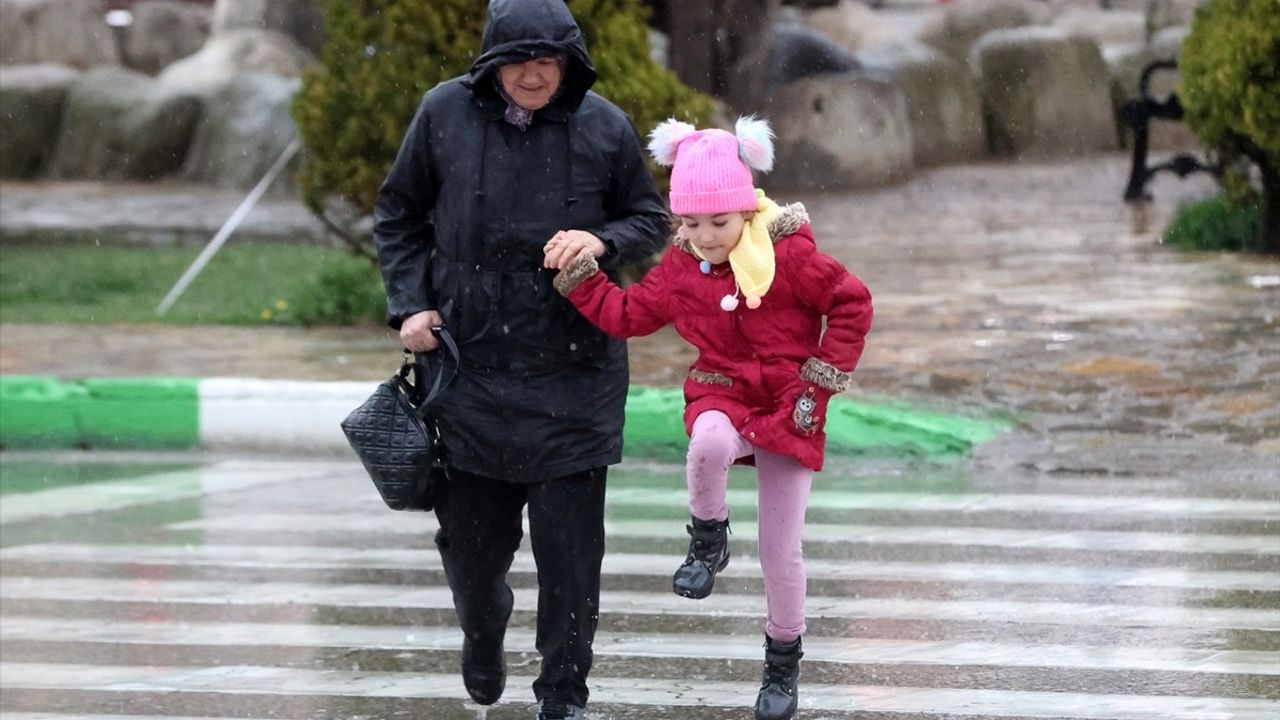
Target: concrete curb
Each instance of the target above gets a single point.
(288, 416)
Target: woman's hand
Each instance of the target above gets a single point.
(415, 331)
(566, 245)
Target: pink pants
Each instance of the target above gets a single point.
(784, 494)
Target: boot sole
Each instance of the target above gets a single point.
(695, 596)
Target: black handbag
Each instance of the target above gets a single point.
(394, 433)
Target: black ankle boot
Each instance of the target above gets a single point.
(484, 669)
(708, 555)
(778, 697)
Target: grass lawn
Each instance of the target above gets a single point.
(245, 283)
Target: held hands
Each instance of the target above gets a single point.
(415, 331)
(567, 245)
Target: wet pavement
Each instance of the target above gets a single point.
(1115, 556)
(195, 585)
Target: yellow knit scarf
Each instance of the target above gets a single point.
(752, 260)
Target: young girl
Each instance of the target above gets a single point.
(745, 284)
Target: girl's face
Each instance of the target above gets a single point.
(715, 236)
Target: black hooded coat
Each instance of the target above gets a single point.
(460, 223)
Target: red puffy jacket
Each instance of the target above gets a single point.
(753, 365)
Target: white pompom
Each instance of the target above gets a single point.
(666, 138)
(755, 143)
(729, 303)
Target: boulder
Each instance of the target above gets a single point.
(962, 23)
(164, 31)
(235, 53)
(245, 128)
(62, 32)
(839, 131)
(301, 20)
(798, 52)
(31, 100)
(943, 103)
(850, 24)
(1104, 27)
(1161, 14)
(1041, 93)
(122, 124)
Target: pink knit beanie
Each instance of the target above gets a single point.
(711, 169)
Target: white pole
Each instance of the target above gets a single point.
(228, 227)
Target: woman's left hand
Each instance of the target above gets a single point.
(566, 245)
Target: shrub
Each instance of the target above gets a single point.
(382, 55)
(1230, 67)
(345, 291)
(1215, 224)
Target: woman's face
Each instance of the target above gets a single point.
(532, 84)
(715, 236)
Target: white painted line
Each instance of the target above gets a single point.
(244, 680)
(846, 651)
(634, 603)
(1097, 541)
(160, 487)
(83, 716)
(616, 563)
(1110, 505)
(244, 414)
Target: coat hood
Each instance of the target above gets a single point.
(517, 30)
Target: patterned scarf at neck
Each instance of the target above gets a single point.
(516, 115)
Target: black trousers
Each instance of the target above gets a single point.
(480, 529)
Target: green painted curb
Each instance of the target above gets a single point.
(655, 426)
(144, 413)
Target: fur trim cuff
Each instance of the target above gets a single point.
(568, 280)
(710, 378)
(824, 376)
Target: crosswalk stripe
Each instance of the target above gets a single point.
(1098, 541)
(851, 651)
(159, 487)
(1124, 505)
(332, 557)
(678, 692)
(618, 603)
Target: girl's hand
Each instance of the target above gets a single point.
(566, 245)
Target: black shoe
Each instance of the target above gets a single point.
(557, 709)
(708, 555)
(484, 670)
(778, 689)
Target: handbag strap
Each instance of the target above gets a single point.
(439, 367)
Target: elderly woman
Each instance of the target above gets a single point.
(513, 159)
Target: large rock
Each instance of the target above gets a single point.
(63, 32)
(853, 25)
(31, 100)
(962, 23)
(164, 31)
(302, 20)
(1041, 93)
(235, 53)
(245, 128)
(1161, 14)
(839, 131)
(1104, 27)
(798, 52)
(121, 124)
(943, 103)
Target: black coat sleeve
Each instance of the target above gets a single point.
(403, 232)
(637, 226)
